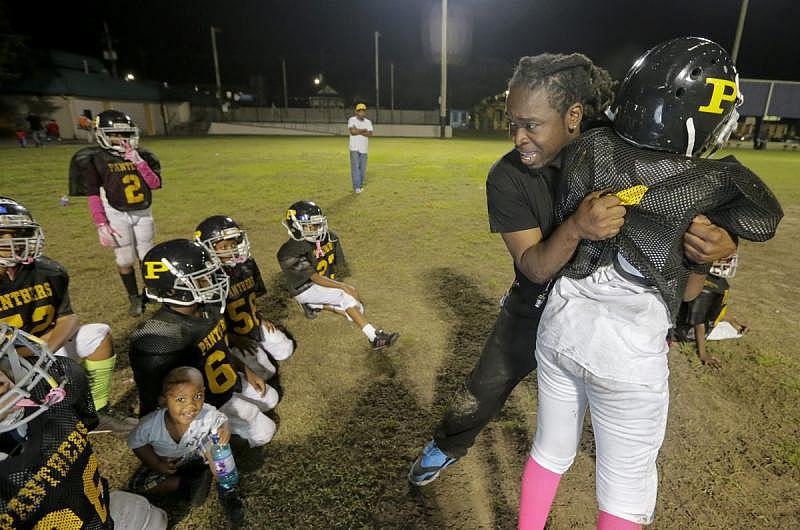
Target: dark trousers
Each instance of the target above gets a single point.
(506, 358)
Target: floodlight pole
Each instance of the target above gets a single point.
(110, 53)
(443, 96)
(391, 84)
(739, 28)
(216, 60)
(285, 89)
(377, 79)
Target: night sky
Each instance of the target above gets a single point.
(169, 40)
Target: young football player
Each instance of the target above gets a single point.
(309, 261)
(706, 317)
(48, 470)
(602, 342)
(34, 296)
(118, 178)
(253, 339)
(169, 442)
(189, 330)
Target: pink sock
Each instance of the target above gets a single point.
(539, 487)
(606, 521)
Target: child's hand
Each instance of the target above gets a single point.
(224, 433)
(710, 361)
(255, 381)
(165, 467)
(705, 242)
(349, 289)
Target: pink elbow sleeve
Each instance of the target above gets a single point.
(97, 210)
(150, 177)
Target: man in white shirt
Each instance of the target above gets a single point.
(360, 130)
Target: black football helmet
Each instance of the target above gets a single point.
(21, 238)
(304, 221)
(220, 228)
(20, 375)
(680, 96)
(118, 123)
(183, 272)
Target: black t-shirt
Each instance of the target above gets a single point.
(520, 198)
(299, 261)
(93, 168)
(170, 339)
(36, 297)
(246, 285)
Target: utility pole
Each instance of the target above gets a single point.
(109, 54)
(443, 96)
(377, 79)
(214, 32)
(391, 84)
(739, 28)
(285, 89)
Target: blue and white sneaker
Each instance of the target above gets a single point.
(428, 465)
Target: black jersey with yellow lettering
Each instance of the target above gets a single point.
(170, 339)
(93, 168)
(241, 315)
(36, 297)
(50, 478)
(299, 261)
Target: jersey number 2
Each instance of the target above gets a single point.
(133, 185)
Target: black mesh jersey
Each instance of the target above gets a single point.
(521, 198)
(241, 315)
(170, 339)
(298, 261)
(36, 297)
(93, 168)
(51, 480)
(679, 188)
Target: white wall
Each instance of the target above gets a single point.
(324, 129)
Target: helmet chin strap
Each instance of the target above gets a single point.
(690, 136)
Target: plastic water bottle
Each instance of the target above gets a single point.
(223, 463)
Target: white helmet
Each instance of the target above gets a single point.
(25, 381)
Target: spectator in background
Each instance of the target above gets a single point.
(360, 130)
(85, 124)
(53, 130)
(37, 129)
(21, 137)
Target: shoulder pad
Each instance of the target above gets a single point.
(50, 267)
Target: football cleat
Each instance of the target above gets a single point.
(112, 422)
(383, 339)
(429, 464)
(310, 312)
(137, 305)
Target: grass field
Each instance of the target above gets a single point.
(417, 240)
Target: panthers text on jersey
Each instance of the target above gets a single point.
(170, 339)
(50, 478)
(36, 297)
(93, 168)
(246, 286)
(299, 261)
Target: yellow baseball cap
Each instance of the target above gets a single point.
(361, 106)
